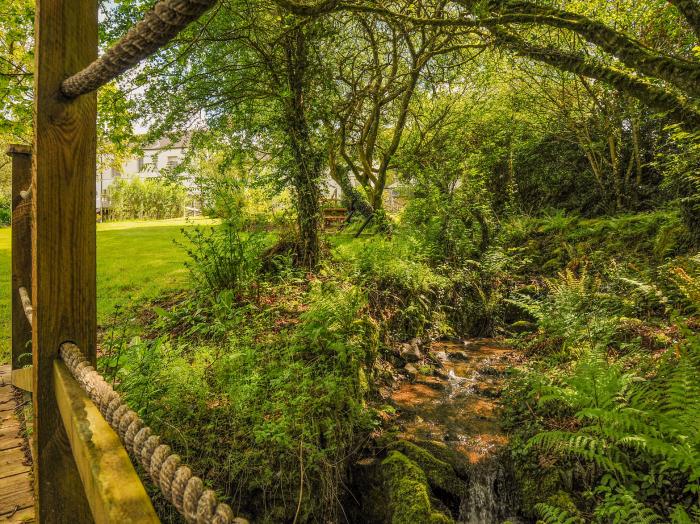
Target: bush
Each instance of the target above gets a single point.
(680, 162)
(404, 291)
(640, 436)
(222, 258)
(146, 199)
(273, 412)
(5, 212)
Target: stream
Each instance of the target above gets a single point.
(458, 404)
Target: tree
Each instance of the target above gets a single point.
(250, 74)
(381, 65)
(663, 73)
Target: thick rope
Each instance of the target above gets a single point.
(175, 480)
(26, 304)
(158, 27)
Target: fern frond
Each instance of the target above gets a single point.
(553, 515)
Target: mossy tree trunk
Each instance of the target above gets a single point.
(306, 171)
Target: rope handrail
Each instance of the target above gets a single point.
(158, 27)
(26, 304)
(175, 480)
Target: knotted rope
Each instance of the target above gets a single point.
(26, 304)
(159, 26)
(175, 480)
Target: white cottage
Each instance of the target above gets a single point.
(156, 159)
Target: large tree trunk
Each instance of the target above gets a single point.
(358, 202)
(307, 161)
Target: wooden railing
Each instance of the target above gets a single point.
(99, 471)
(82, 472)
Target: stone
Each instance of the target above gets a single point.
(410, 352)
(460, 356)
(432, 382)
(411, 370)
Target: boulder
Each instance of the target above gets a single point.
(410, 352)
(411, 370)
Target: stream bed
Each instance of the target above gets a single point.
(456, 403)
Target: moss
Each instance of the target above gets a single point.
(563, 501)
(534, 487)
(440, 474)
(407, 494)
(444, 453)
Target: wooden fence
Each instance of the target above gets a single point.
(82, 471)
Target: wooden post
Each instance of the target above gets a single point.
(21, 250)
(63, 238)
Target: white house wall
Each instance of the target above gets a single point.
(154, 162)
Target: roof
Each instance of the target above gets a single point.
(166, 143)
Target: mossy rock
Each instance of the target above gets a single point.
(439, 470)
(522, 326)
(534, 487)
(441, 451)
(406, 492)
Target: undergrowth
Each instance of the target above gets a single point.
(265, 399)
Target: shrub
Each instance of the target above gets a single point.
(222, 258)
(146, 199)
(641, 436)
(5, 211)
(404, 291)
(272, 413)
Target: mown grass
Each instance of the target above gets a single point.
(135, 260)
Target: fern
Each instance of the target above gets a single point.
(641, 436)
(553, 515)
(621, 506)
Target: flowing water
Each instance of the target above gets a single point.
(458, 405)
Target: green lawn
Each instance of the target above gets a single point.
(134, 260)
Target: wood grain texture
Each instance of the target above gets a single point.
(22, 378)
(21, 251)
(114, 490)
(16, 491)
(63, 239)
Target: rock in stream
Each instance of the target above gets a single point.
(449, 462)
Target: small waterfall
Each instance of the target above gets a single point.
(458, 406)
(490, 497)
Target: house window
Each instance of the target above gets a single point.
(172, 161)
(140, 163)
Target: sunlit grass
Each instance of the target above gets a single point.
(135, 259)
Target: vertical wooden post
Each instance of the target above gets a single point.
(21, 250)
(63, 237)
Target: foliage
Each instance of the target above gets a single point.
(615, 424)
(680, 161)
(146, 199)
(223, 257)
(279, 401)
(640, 434)
(5, 211)
(231, 186)
(404, 291)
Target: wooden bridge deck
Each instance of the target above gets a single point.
(16, 491)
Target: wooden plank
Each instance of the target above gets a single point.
(13, 461)
(63, 239)
(22, 378)
(113, 488)
(25, 516)
(16, 491)
(6, 417)
(21, 250)
(10, 441)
